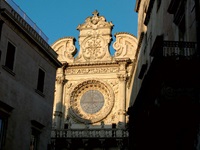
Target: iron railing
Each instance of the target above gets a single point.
(182, 49)
(27, 19)
(178, 48)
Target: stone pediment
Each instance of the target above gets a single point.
(94, 40)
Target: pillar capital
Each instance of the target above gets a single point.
(60, 80)
(122, 77)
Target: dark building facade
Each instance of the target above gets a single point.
(164, 112)
(27, 80)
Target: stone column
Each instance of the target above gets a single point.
(58, 99)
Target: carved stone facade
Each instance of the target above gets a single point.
(91, 88)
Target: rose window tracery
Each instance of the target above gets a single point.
(91, 101)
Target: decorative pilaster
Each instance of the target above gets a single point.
(122, 76)
(58, 103)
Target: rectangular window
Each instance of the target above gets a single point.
(5, 111)
(35, 134)
(34, 139)
(178, 9)
(3, 122)
(40, 84)
(10, 56)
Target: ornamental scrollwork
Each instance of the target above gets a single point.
(125, 45)
(65, 49)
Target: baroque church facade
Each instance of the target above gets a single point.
(93, 89)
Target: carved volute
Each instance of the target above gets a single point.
(65, 49)
(125, 45)
(94, 39)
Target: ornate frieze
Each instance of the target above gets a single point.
(92, 70)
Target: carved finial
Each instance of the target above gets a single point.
(95, 13)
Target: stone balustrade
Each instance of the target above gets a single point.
(89, 133)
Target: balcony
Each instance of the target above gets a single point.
(173, 49)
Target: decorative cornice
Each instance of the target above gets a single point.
(115, 61)
(92, 63)
(120, 60)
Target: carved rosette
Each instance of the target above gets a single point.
(79, 94)
(94, 48)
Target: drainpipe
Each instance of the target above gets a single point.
(197, 26)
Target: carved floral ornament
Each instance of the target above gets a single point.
(94, 47)
(91, 101)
